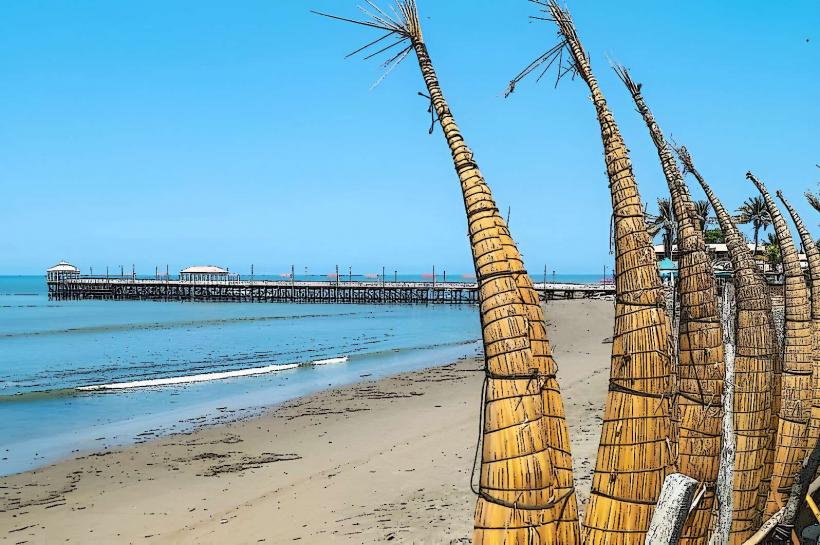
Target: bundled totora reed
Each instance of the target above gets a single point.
(753, 386)
(813, 258)
(635, 452)
(526, 490)
(698, 410)
(796, 387)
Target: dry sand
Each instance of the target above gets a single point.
(379, 461)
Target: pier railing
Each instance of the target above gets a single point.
(296, 291)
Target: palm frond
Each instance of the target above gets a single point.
(754, 210)
(653, 229)
(702, 208)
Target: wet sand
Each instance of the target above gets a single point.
(379, 461)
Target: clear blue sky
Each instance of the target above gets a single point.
(235, 133)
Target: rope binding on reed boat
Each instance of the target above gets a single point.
(432, 111)
(534, 375)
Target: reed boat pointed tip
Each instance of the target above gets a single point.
(626, 77)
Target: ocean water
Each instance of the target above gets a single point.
(51, 350)
(48, 349)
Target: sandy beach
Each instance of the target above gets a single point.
(377, 461)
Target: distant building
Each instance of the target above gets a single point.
(722, 264)
(61, 271)
(718, 250)
(668, 269)
(204, 273)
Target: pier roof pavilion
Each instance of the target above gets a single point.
(61, 270)
(204, 272)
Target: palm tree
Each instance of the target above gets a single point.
(526, 491)
(702, 213)
(772, 250)
(664, 221)
(754, 211)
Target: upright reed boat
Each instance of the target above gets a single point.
(813, 258)
(526, 492)
(636, 450)
(810, 465)
(754, 348)
(796, 388)
(698, 411)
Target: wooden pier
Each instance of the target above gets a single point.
(290, 291)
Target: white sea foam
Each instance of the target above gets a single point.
(342, 359)
(187, 379)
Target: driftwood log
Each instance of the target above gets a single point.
(776, 520)
(672, 510)
(728, 448)
(767, 527)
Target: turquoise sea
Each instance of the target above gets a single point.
(49, 349)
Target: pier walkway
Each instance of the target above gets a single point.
(295, 291)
